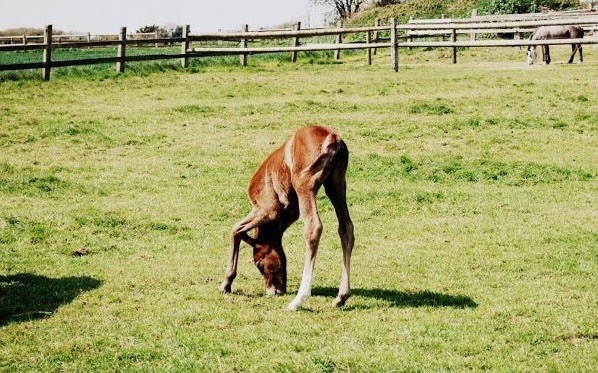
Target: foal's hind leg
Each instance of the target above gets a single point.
(336, 189)
(312, 231)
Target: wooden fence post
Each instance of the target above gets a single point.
(185, 46)
(394, 42)
(517, 36)
(339, 40)
(409, 33)
(122, 50)
(472, 36)
(47, 57)
(368, 40)
(454, 39)
(243, 43)
(377, 23)
(295, 43)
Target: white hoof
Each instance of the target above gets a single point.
(296, 303)
(292, 307)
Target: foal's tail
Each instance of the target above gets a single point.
(341, 155)
(333, 148)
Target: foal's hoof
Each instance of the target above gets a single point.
(294, 306)
(340, 300)
(225, 288)
(297, 302)
(273, 292)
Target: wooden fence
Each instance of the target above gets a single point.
(516, 32)
(71, 38)
(195, 45)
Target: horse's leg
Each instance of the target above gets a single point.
(573, 50)
(255, 218)
(336, 189)
(312, 232)
(231, 269)
(580, 48)
(252, 220)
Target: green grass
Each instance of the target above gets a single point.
(425, 9)
(473, 189)
(104, 71)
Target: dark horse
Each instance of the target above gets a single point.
(555, 32)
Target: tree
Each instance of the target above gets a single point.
(509, 6)
(160, 31)
(177, 31)
(166, 31)
(343, 8)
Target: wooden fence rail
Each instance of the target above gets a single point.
(192, 44)
(513, 24)
(508, 17)
(71, 38)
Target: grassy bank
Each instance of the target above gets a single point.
(472, 188)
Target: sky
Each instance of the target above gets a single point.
(108, 16)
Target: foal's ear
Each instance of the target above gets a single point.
(249, 240)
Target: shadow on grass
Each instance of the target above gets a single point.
(26, 296)
(396, 298)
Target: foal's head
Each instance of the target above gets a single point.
(269, 257)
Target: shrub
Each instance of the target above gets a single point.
(524, 6)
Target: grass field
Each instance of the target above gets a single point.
(473, 189)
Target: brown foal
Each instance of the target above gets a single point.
(283, 188)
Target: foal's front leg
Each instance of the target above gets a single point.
(231, 270)
(255, 218)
